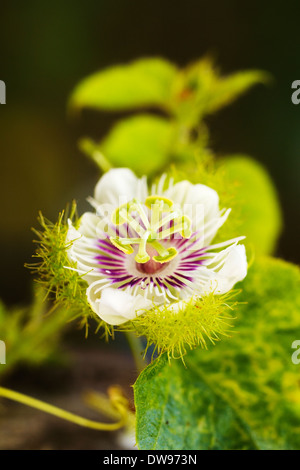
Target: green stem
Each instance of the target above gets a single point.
(54, 410)
(89, 147)
(137, 350)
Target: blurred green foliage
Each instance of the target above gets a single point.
(200, 89)
(244, 185)
(143, 142)
(242, 393)
(31, 334)
(155, 82)
(150, 144)
(256, 210)
(144, 82)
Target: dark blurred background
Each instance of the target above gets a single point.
(47, 47)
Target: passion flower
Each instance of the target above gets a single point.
(150, 249)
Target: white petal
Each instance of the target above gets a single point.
(118, 186)
(233, 270)
(116, 306)
(88, 224)
(199, 202)
(83, 249)
(72, 233)
(212, 226)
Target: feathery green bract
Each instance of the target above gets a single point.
(197, 323)
(56, 272)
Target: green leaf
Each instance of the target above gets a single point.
(254, 369)
(227, 89)
(242, 393)
(141, 142)
(177, 410)
(144, 82)
(200, 89)
(256, 210)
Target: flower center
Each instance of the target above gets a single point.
(151, 266)
(162, 223)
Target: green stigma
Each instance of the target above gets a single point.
(150, 231)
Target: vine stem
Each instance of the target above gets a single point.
(89, 147)
(66, 415)
(137, 350)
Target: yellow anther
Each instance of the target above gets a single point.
(165, 204)
(117, 217)
(168, 256)
(126, 248)
(183, 224)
